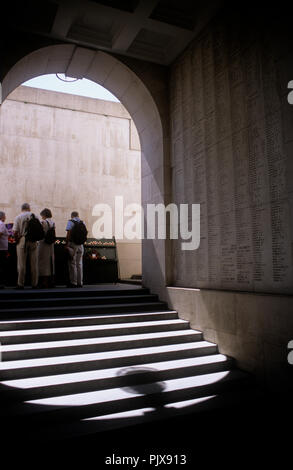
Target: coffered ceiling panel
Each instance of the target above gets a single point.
(152, 30)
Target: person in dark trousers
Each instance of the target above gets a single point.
(46, 252)
(3, 248)
(75, 253)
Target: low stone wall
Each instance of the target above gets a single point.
(253, 328)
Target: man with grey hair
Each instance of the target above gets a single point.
(25, 248)
(3, 248)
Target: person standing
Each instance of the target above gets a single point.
(46, 250)
(25, 248)
(3, 248)
(76, 236)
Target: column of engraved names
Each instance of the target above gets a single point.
(200, 257)
(243, 210)
(260, 206)
(226, 181)
(210, 134)
(187, 89)
(213, 217)
(227, 214)
(240, 144)
(258, 170)
(280, 217)
(177, 158)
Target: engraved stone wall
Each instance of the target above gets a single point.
(231, 149)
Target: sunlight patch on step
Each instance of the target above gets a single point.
(124, 353)
(121, 393)
(99, 374)
(81, 317)
(180, 405)
(86, 328)
(101, 340)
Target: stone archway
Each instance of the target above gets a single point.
(112, 74)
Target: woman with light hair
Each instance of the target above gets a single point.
(3, 248)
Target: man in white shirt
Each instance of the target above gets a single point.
(3, 248)
(25, 248)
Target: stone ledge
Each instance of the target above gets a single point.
(69, 101)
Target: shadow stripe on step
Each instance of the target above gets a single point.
(78, 382)
(83, 405)
(67, 301)
(80, 320)
(9, 314)
(92, 331)
(83, 362)
(55, 348)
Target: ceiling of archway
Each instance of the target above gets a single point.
(152, 30)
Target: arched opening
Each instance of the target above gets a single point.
(109, 72)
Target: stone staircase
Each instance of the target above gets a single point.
(81, 361)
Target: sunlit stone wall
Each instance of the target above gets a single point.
(69, 153)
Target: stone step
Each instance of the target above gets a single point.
(98, 403)
(56, 322)
(74, 360)
(63, 292)
(228, 400)
(25, 368)
(137, 282)
(84, 300)
(89, 331)
(79, 382)
(15, 313)
(83, 346)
